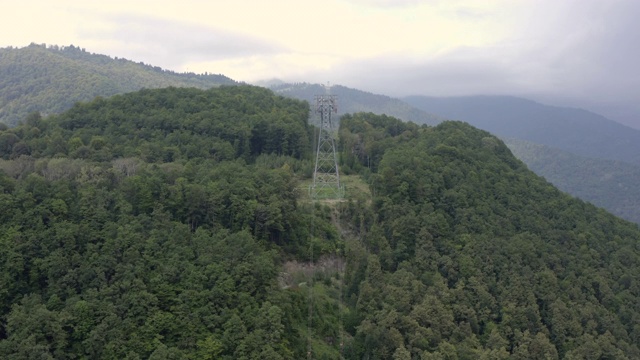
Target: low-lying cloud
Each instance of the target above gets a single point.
(172, 43)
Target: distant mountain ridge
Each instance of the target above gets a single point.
(575, 130)
(353, 101)
(51, 79)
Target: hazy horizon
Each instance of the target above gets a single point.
(569, 53)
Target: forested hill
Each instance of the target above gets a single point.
(51, 79)
(467, 254)
(353, 100)
(153, 225)
(170, 223)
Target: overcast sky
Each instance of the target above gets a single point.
(577, 52)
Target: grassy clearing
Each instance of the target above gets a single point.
(354, 188)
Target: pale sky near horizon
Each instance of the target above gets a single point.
(575, 52)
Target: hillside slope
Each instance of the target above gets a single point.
(51, 79)
(575, 130)
(159, 224)
(154, 224)
(467, 254)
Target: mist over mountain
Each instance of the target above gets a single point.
(575, 130)
(51, 79)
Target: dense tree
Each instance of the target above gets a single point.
(163, 237)
(497, 262)
(170, 224)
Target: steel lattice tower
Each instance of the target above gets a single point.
(326, 177)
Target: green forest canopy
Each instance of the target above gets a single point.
(155, 225)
